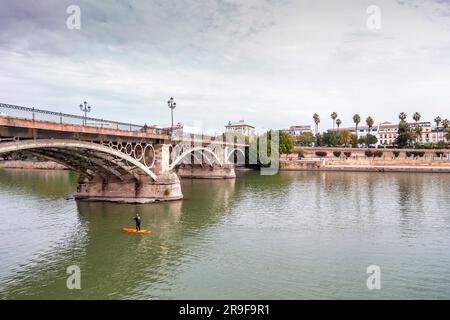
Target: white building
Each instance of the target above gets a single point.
(240, 127)
(387, 133)
(296, 131)
(362, 131)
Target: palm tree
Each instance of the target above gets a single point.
(416, 118)
(369, 122)
(437, 120)
(402, 116)
(356, 120)
(334, 116)
(418, 131)
(338, 122)
(445, 124)
(316, 121)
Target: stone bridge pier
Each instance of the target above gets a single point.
(137, 187)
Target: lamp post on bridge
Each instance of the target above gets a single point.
(172, 105)
(85, 108)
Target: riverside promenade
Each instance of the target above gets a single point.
(430, 166)
(391, 160)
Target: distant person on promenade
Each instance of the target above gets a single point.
(137, 219)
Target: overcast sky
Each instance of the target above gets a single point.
(273, 63)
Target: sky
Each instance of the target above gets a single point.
(272, 63)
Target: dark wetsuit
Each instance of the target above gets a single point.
(138, 223)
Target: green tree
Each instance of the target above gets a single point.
(368, 140)
(445, 124)
(404, 134)
(402, 116)
(286, 143)
(305, 139)
(438, 121)
(416, 117)
(370, 122)
(316, 119)
(418, 132)
(345, 137)
(333, 117)
(356, 120)
(338, 122)
(447, 135)
(330, 138)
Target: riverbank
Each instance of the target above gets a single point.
(430, 166)
(38, 165)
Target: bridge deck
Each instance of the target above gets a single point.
(13, 122)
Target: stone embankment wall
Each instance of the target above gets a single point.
(43, 165)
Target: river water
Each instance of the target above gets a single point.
(295, 235)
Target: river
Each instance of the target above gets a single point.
(295, 235)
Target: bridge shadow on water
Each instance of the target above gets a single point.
(115, 264)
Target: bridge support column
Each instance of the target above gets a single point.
(166, 187)
(194, 171)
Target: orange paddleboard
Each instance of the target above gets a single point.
(131, 230)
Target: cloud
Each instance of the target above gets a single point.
(273, 63)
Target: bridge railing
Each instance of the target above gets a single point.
(64, 118)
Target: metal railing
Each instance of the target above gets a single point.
(64, 118)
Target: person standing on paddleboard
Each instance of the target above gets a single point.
(137, 219)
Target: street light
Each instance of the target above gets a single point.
(85, 108)
(172, 105)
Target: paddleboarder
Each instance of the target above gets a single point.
(137, 219)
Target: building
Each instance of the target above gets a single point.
(362, 131)
(296, 131)
(240, 127)
(387, 133)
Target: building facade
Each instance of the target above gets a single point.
(240, 127)
(297, 130)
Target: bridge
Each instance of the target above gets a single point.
(117, 161)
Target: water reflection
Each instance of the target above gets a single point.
(292, 235)
(115, 264)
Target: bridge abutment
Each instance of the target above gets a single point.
(195, 171)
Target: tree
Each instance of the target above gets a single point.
(345, 137)
(305, 139)
(369, 122)
(418, 131)
(416, 117)
(338, 123)
(368, 140)
(330, 138)
(356, 120)
(402, 116)
(333, 117)
(447, 135)
(437, 120)
(404, 134)
(286, 143)
(316, 122)
(445, 124)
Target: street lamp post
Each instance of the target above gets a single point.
(85, 108)
(172, 105)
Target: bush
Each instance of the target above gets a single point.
(368, 153)
(415, 154)
(396, 153)
(348, 154)
(321, 154)
(439, 153)
(378, 154)
(337, 154)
